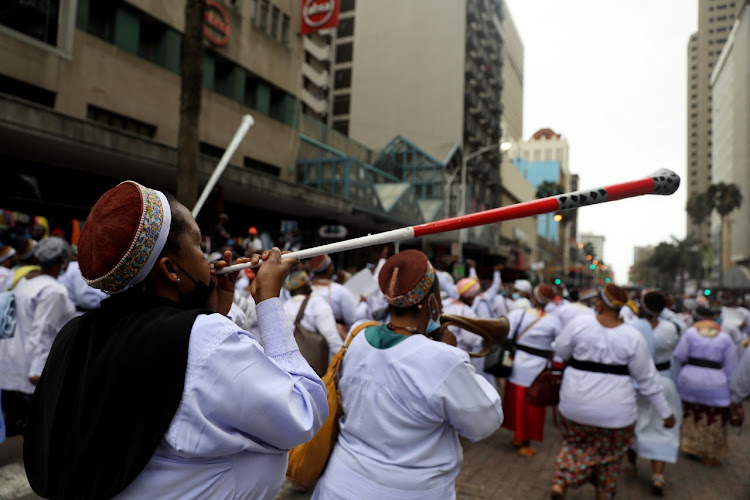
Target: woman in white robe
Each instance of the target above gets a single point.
(406, 399)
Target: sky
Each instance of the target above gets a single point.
(611, 77)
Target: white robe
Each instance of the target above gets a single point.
(84, 297)
(246, 401)
(604, 399)
(404, 408)
(42, 309)
(341, 300)
(539, 335)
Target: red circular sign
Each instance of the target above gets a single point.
(216, 26)
(316, 13)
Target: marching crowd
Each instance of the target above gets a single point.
(134, 368)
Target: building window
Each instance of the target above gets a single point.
(342, 79)
(263, 17)
(101, 20)
(342, 126)
(285, 28)
(275, 22)
(211, 150)
(344, 52)
(121, 122)
(341, 104)
(346, 27)
(27, 91)
(260, 166)
(346, 5)
(36, 19)
(253, 11)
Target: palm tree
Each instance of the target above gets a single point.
(191, 74)
(726, 198)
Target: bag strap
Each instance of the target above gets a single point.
(357, 329)
(515, 332)
(301, 312)
(528, 327)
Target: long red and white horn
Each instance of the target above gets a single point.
(663, 182)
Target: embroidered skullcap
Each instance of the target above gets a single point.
(123, 236)
(522, 286)
(296, 280)
(406, 278)
(51, 251)
(653, 302)
(320, 263)
(6, 253)
(544, 294)
(468, 288)
(615, 297)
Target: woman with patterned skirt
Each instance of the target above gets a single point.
(708, 359)
(598, 397)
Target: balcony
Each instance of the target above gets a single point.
(321, 53)
(319, 78)
(313, 102)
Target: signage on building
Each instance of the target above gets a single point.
(319, 15)
(216, 27)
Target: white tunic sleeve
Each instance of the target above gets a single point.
(741, 379)
(468, 402)
(240, 395)
(347, 302)
(53, 310)
(325, 324)
(643, 370)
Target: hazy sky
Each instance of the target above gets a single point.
(611, 78)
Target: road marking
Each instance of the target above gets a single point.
(13, 482)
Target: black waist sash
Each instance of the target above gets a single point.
(663, 366)
(705, 363)
(109, 390)
(534, 351)
(591, 366)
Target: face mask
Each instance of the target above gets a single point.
(516, 296)
(198, 297)
(433, 324)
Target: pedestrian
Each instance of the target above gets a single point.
(708, 358)
(521, 292)
(157, 394)
(534, 331)
(42, 309)
(653, 441)
(252, 244)
(406, 398)
(598, 398)
(341, 300)
(84, 297)
(318, 314)
(6, 264)
(466, 289)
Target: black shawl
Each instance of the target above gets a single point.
(111, 385)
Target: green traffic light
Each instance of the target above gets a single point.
(557, 281)
(607, 280)
(592, 266)
(706, 292)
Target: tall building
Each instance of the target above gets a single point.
(89, 96)
(730, 158)
(597, 241)
(511, 120)
(715, 19)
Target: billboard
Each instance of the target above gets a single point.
(319, 15)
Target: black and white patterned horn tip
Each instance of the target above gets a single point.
(666, 182)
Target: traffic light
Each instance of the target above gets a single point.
(607, 280)
(557, 281)
(592, 266)
(707, 292)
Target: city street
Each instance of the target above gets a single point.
(492, 470)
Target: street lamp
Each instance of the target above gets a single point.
(504, 146)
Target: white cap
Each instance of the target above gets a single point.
(523, 286)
